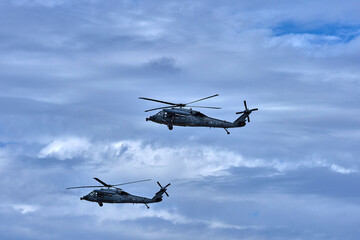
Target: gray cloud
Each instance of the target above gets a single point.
(163, 64)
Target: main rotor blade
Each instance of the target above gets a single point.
(167, 185)
(255, 109)
(132, 182)
(205, 107)
(103, 183)
(159, 185)
(202, 99)
(159, 108)
(84, 187)
(150, 99)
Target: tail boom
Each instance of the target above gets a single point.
(241, 121)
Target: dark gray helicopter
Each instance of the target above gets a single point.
(112, 194)
(176, 115)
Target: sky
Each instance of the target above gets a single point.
(71, 73)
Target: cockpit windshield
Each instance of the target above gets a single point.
(199, 114)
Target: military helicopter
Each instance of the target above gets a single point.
(176, 115)
(113, 194)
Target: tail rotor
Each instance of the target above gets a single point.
(247, 111)
(164, 188)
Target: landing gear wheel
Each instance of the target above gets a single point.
(227, 131)
(170, 127)
(100, 204)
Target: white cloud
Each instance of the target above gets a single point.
(110, 212)
(121, 156)
(66, 148)
(339, 169)
(170, 215)
(135, 158)
(25, 208)
(219, 224)
(139, 212)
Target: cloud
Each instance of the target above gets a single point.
(109, 213)
(66, 148)
(136, 213)
(304, 41)
(128, 154)
(221, 225)
(164, 64)
(199, 161)
(25, 208)
(342, 170)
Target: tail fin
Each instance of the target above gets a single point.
(158, 195)
(241, 121)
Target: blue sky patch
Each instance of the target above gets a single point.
(340, 32)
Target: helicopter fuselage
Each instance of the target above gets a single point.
(191, 118)
(116, 196)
